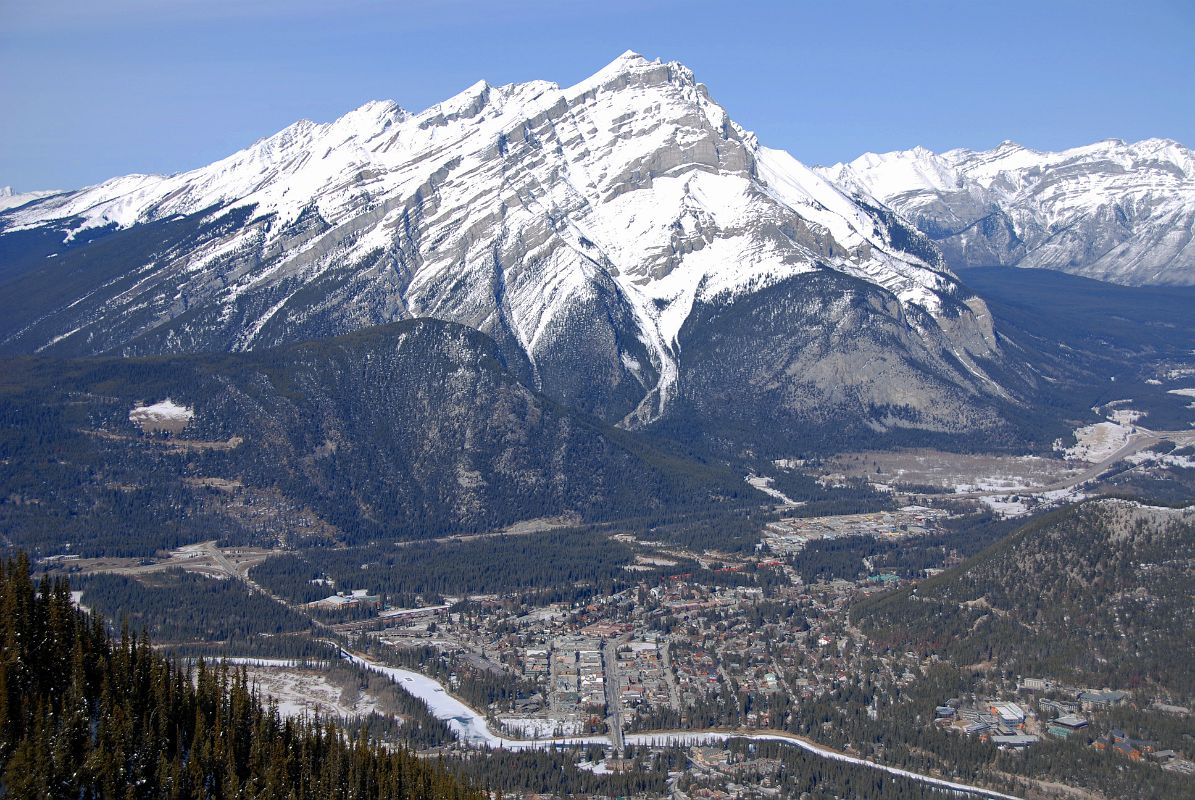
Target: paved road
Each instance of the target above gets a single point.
(240, 572)
(613, 702)
(669, 675)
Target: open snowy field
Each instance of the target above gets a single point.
(539, 727)
(301, 692)
(958, 472)
(1097, 442)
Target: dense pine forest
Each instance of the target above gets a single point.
(85, 716)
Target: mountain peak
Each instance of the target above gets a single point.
(9, 198)
(623, 68)
(616, 207)
(630, 58)
(378, 108)
(1025, 196)
(1009, 147)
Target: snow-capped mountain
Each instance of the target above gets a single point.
(590, 230)
(10, 199)
(1110, 210)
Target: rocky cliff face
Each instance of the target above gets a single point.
(588, 230)
(1112, 211)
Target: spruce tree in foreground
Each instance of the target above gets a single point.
(84, 716)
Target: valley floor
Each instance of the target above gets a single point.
(699, 650)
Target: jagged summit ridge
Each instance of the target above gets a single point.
(579, 227)
(1111, 210)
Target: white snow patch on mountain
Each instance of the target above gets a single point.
(165, 415)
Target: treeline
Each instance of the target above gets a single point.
(854, 496)
(557, 566)
(828, 559)
(84, 716)
(1160, 485)
(727, 529)
(558, 774)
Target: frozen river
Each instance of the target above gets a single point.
(471, 727)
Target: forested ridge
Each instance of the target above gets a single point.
(85, 716)
(1098, 594)
(399, 432)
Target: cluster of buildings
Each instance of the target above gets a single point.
(1079, 699)
(357, 598)
(578, 676)
(1133, 749)
(652, 654)
(1011, 725)
(641, 679)
(1002, 723)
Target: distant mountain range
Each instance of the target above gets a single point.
(633, 252)
(1110, 210)
(10, 199)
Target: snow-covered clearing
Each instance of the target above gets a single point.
(1124, 416)
(1096, 442)
(951, 472)
(764, 484)
(1021, 504)
(166, 415)
(306, 692)
(993, 483)
(1164, 459)
(1006, 506)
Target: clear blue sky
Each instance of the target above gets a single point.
(95, 88)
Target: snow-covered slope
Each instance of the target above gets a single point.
(579, 227)
(1110, 210)
(10, 199)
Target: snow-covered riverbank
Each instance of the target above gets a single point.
(471, 727)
